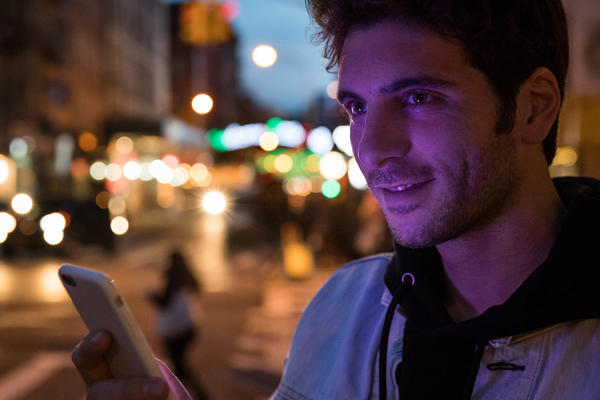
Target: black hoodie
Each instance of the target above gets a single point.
(440, 357)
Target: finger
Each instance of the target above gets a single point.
(129, 389)
(88, 357)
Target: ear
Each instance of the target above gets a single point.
(538, 105)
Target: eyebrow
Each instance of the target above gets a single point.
(425, 81)
(400, 84)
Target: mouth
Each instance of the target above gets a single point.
(401, 188)
(404, 186)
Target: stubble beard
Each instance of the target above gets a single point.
(476, 194)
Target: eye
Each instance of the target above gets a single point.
(419, 98)
(356, 108)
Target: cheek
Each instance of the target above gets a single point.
(450, 139)
(355, 140)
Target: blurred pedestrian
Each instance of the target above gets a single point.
(179, 318)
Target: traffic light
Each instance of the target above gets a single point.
(203, 23)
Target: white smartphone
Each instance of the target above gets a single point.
(101, 307)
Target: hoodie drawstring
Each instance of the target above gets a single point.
(408, 280)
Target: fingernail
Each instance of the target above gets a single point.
(154, 388)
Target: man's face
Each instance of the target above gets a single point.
(422, 129)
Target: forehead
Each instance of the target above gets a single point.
(393, 47)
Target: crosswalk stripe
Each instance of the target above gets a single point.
(22, 380)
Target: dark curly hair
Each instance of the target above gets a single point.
(505, 39)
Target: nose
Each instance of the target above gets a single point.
(382, 137)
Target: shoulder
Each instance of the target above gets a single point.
(359, 274)
(354, 283)
(339, 329)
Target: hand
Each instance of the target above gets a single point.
(88, 357)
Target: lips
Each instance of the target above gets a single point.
(401, 187)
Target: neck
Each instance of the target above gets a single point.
(485, 266)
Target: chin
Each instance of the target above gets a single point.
(413, 238)
(421, 233)
(413, 242)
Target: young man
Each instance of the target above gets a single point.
(453, 109)
(491, 292)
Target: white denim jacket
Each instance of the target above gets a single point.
(334, 352)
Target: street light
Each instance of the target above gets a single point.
(202, 103)
(214, 203)
(264, 56)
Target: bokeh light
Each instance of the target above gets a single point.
(119, 225)
(4, 169)
(290, 133)
(269, 163)
(124, 145)
(53, 222)
(66, 216)
(87, 141)
(98, 170)
(102, 200)
(268, 141)
(202, 103)
(132, 170)
(298, 186)
(316, 182)
(355, 175)
(180, 176)
(341, 137)
(264, 56)
(332, 89)
(331, 188)
(199, 172)
(189, 181)
(312, 163)
(170, 160)
(8, 223)
(114, 172)
(18, 148)
(566, 156)
(53, 226)
(160, 171)
(145, 174)
(214, 202)
(319, 140)
(53, 237)
(22, 203)
(333, 165)
(79, 168)
(283, 163)
(117, 205)
(273, 123)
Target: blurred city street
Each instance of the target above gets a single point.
(250, 312)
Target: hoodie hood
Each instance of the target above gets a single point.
(563, 288)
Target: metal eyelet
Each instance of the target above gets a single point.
(411, 276)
